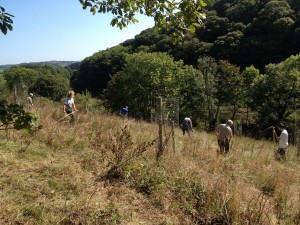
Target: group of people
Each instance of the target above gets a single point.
(224, 135)
(223, 131)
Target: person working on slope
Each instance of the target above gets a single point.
(69, 105)
(124, 112)
(282, 141)
(224, 135)
(29, 100)
(187, 125)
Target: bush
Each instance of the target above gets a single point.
(54, 88)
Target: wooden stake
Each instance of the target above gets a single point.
(160, 127)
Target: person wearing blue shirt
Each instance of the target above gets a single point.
(124, 112)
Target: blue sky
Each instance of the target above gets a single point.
(59, 30)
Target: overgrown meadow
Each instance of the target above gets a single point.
(103, 170)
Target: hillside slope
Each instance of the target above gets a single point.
(104, 171)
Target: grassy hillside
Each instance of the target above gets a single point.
(104, 171)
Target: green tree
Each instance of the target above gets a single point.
(249, 76)
(20, 76)
(54, 88)
(23, 79)
(193, 98)
(269, 34)
(276, 94)
(95, 71)
(223, 90)
(208, 68)
(145, 76)
(4, 91)
(230, 87)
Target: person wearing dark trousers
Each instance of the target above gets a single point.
(187, 125)
(69, 106)
(282, 140)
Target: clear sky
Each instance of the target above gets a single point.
(45, 30)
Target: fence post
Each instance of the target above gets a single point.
(173, 136)
(160, 127)
(15, 94)
(298, 145)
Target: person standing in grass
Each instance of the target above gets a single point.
(282, 141)
(124, 112)
(187, 125)
(29, 100)
(224, 135)
(69, 105)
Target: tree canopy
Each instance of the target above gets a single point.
(175, 16)
(145, 76)
(47, 81)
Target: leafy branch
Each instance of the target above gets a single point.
(175, 16)
(13, 116)
(5, 21)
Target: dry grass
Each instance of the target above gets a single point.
(60, 176)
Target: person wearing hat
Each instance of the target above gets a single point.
(29, 100)
(224, 135)
(282, 141)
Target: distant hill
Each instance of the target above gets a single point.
(72, 64)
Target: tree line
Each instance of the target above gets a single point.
(243, 64)
(242, 45)
(212, 91)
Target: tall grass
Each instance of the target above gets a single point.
(62, 175)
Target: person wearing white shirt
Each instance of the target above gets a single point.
(282, 139)
(69, 105)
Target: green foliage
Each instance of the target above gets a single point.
(3, 87)
(95, 71)
(14, 115)
(145, 178)
(85, 101)
(250, 74)
(193, 95)
(276, 93)
(208, 67)
(171, 15)
(109, 215)
(121, 151)
(54, 88)
(230, 89)
(5, 21)
(244, 32)
(47, 81)
(145, 76)
(20, 76)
